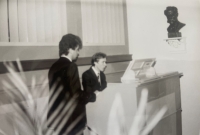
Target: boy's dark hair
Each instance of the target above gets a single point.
(97, 56)
(69, 41)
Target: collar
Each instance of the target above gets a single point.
(65, 56)
(95, 71)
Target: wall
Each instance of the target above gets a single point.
(147, 28)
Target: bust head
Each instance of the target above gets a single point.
(172, 18)
(171, 14)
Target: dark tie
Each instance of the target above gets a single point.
(98, 76)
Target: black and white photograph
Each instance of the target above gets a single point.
(99, 67)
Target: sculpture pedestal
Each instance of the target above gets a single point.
(175, 34)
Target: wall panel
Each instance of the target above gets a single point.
(103, 22)
(13, 20)
(31, 21)
(22, 18)
(3, 21)
(39, 5)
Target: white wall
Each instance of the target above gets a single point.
(147, 27)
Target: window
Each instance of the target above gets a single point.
(103, 22)
(32, 22)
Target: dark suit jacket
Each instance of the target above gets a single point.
(64, 74)
(90, 81)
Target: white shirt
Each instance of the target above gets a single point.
(63, 55)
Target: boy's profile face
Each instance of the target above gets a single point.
(74, 53)
(101, 64)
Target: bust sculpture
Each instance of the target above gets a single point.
(172, 18)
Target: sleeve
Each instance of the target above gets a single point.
(75, 86)
(87, 83)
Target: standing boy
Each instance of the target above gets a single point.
(67, 114)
